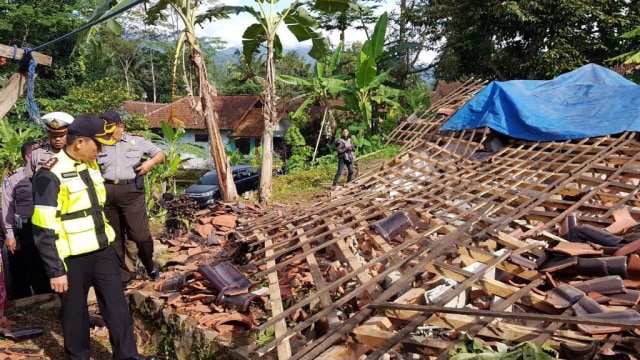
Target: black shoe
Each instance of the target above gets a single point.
(154, 274)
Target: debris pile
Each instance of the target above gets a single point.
(459, 239)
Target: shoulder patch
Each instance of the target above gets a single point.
(70, 174)
(49, 164)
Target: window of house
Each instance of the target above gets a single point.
(243, 145)
(201, 137)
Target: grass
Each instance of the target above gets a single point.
(301, 186)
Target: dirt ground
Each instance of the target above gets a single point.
(41, 311)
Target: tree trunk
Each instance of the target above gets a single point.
(324, 117)
(225, 177)
(270, 118)
(153, 79)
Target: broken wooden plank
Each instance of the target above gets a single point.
(375, 337)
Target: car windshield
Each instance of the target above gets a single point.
(208, 179)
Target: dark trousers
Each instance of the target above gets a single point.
(100, 269)
(25, 266)
(126, 212)
(341, 165)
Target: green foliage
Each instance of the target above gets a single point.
(27, 24)
(136, 123)
(298, 21)
(300, 151)
(367, 145)
(266, 336)
(157, 180)
(521, 39)
(473, 349)
(236, 157)
(367, 96)
(294, 65)
(96, 97)
(11, 139)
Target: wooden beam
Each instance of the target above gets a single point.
(8, 52)
(11, 92)
(284, 348)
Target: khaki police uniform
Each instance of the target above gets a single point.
(126, 208)
(56, 123)
(74, 239)
(38, 157)
(25, 265)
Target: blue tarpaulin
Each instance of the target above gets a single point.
(590, 101)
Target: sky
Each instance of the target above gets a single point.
(231, 30)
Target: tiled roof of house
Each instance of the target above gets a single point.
(444, 89)
(252, 126)
(240, 114)
(141, 107)
(230, 109)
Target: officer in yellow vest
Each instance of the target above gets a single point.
(73, 237)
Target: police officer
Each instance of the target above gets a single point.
(56, 123)
(126, 208)
(25, 265)
(74, 239)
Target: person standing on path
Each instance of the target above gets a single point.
(56, 124)
(25, 266)
(346, 157)
(74, 240)
(126, 209)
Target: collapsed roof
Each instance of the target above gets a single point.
(454, 236)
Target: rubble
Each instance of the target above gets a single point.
(447, 239)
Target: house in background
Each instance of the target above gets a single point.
(240, 122)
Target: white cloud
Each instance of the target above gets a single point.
(231, 30)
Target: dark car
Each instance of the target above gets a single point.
(207, 190)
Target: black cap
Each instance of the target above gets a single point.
(92, 126)
(112, 117)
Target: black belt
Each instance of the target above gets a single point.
(120, 182)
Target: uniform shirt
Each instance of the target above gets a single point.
(119, 161)
(69, 209)
(38, 157)
(17, 199)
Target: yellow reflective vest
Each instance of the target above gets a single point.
(75, 217)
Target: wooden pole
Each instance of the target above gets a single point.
(8, 52)
(16, 85)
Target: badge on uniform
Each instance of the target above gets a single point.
(50, 163)
(6, 182)
(70, 174)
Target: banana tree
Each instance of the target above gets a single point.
(367, 89)
(324, 86)
(268, 22)
(186, 11)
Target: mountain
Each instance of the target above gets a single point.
(228, 54)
